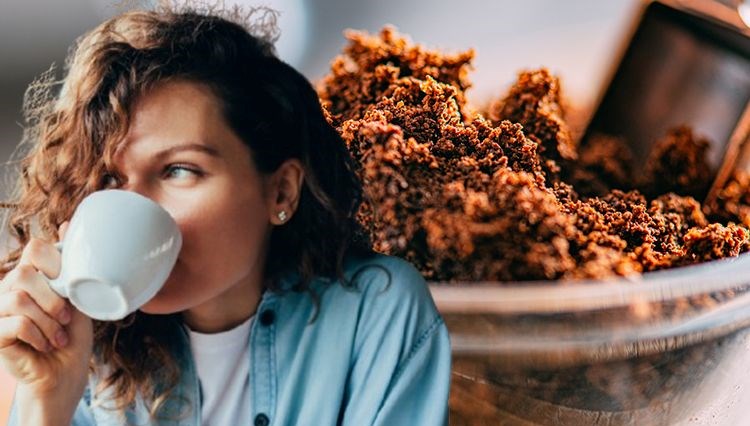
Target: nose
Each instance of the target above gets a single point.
(142, 188)
(139, 187)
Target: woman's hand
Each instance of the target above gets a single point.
(45, 343)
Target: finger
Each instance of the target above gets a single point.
(20, 328)
(18, 302)
(80, 329)
(42, 256)
(27, 278)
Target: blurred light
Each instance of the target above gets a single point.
(293, 21)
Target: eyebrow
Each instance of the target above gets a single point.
(189, 147)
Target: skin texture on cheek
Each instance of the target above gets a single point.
(222, 247)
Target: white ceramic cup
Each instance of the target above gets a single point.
(118, 251)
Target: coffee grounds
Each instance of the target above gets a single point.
(733, 201)
(506, 195)
(535, 102)
(678, 163)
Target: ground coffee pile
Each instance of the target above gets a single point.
(506, 194)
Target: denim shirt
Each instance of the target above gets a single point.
(376, 353)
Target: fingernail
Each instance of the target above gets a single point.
(61, 338)
(65, 315)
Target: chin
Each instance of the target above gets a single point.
(166, 301)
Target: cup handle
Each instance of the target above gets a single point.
(57, 284)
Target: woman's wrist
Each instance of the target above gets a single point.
(46, 408)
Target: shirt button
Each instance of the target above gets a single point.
(267, 317)
(261, 420)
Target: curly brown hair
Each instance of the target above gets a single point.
(276, 112)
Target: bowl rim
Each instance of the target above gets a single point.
(525, 297)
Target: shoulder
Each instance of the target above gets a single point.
(395, 304)
(382, 274)
(390, 283)
(381, 301)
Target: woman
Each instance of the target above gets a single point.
(276, 312)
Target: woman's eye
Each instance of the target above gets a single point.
(177, 171)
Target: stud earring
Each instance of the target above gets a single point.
(282, 215)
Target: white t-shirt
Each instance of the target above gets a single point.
(222, 361)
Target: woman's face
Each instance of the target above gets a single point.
(181, 153)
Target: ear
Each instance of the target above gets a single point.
(284, 191)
